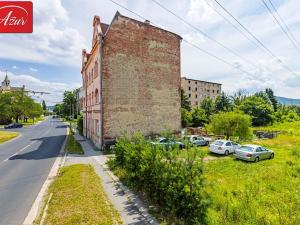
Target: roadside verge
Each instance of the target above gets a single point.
(38, 203)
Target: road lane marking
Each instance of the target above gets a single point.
(22, 149)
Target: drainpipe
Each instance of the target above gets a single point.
(101, 87)
(85, 83)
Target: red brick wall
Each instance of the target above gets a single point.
(141, 79)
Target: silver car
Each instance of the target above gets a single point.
(253, 153)
(196, 140)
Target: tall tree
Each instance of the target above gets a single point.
(272, 98)
(222, 103)
(208, 106)
(185, 102)
(44, 105)
(259, 109)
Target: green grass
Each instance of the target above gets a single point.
(6, 136)
(78, 198)
(72, 146)
(267, 192)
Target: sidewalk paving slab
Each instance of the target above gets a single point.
(131, 209)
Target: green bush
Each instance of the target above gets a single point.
(173, 183)
(231, 124)
(80, 124)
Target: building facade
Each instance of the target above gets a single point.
(198, 90)
(131, 80)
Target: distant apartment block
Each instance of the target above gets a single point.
(131, 80)
(197, 90)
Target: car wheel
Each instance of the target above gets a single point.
(272, 156)
(256, 159)
(207, 143)
(226, 152)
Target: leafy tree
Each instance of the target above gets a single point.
(238, 97)
(186, 117)
(259, 109)
(199, 117)
(185, 102)
(44, 105)
(58, 109)
(231, 124)
(208, 106)
(5, 108)
(272, 98)
(222, 103)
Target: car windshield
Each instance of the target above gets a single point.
(246, 149)
(219, 143)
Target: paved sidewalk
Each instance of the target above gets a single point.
(129, 206)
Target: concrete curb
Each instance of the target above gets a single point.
(38, 203)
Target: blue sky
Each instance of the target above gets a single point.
(50, 58)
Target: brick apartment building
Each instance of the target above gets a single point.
(131, 80)
(197, 90)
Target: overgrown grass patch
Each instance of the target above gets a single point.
(78, 198)
(6, 136)
(72, 146)
(257, 193)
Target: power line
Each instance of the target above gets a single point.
(193, 45)
(286, 26)
(253, 36)
(232, 24)
(282, 28)
(204, 34)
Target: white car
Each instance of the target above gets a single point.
(223, 147)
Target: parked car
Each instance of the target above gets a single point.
(168, 143)
(253, 153)
(13, 125)
(223, 147)
(196, 140)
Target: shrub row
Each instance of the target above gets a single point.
(173, 183)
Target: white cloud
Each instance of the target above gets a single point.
(53, 40)
(200, 12)
(14, 67)
(33, 69)
(32, 83)
(62, 29)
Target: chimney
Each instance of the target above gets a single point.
(147, 22)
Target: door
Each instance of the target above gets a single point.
(229, 147)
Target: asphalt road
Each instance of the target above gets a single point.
(24, 166)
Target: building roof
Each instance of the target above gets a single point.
(104, 27)
(147, 22)
(200, 80)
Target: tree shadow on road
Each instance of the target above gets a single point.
(49, 148)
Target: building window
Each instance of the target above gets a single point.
(195, 82)
(96, 70)
(196, 103)
(196, 96)
(218, 91)
(96, 96)
(196, 89)
(189, 88)
(207, 90)
(189, 81)
(189, 95)
(213, 91)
